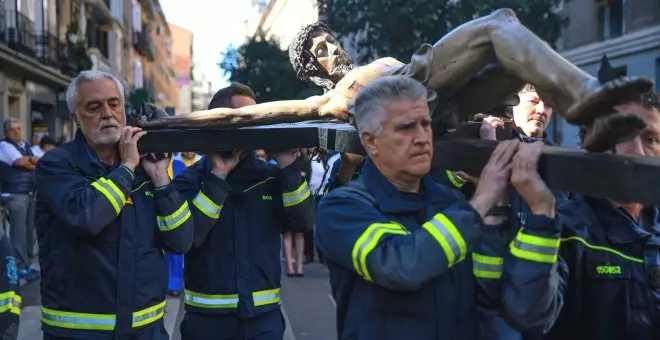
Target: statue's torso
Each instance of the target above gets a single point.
(347, 89)
(353, 82)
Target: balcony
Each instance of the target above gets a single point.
(144, 44)
(101, 12)
(47, 49)
(22, 37)
(97, 38)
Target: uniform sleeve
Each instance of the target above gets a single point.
(86, 205)
(534, 276)
(205, 194)
(357, 236)
(297, 201)
(174, 219)
(488, 264)
(10, 299)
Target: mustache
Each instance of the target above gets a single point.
(108, 123)
(537, 117)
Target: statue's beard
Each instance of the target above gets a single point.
(339, 71)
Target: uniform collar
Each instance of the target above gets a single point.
(85, 159)
(390, 199)
(617, 224)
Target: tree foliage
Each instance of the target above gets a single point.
(396, 28)
(265, 68)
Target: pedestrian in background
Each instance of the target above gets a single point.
(175, 261)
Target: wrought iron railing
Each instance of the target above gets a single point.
(24, 36)
(3, 22)
(47, 48)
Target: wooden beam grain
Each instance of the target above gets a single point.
(616, 177)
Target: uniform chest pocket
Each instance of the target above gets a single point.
(142, 209)
(262, 204)
(608, 280)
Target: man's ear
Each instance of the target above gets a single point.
(369, 143)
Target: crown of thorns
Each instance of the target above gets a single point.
(303, 62)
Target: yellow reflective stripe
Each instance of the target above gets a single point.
(297, 196)
(487, 267)
(266, 297)
(111, 192)
(10, 301)
(225, 301)
(455, 179)
(601, 248)
(210, 301)
(99, 322)
(368, 241)
(148, 315)
(71, 320)
(175, 219)
(206, 206)
(535, 248)
(445, 232)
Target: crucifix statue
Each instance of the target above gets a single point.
(472, 69)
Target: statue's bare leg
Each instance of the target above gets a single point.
(576, 95)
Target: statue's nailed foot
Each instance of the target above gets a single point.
(147, 116)
(600, 99)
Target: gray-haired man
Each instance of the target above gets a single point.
(105, 215)
(397, 244)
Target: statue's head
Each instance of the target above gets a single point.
(317, 57)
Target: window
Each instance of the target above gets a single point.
(611, 18)
(138, 75)
(137, 17)
(620, 71)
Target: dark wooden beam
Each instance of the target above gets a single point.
(621, 178)
(599, 175)
(340, 137)
(333, 136)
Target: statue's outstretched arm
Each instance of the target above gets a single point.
(285, 111)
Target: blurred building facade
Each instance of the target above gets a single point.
(182, 56)
(282, 19)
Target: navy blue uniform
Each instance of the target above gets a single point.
(602, 284)
(102, 233)
(401, 265)
(233, 272)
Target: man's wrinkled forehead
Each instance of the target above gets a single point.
(98, 90)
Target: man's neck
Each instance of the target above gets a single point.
(403, 183)
(107, 154)
(634, 209)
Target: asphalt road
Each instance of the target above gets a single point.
(307, 306)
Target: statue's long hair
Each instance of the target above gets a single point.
(303, 62)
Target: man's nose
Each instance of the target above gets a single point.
(422, 134)
(541, 108)
(107, 111)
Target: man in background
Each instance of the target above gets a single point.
(17, 164)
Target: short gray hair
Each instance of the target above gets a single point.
(370, 103)
(8, 122)
(87, 76)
